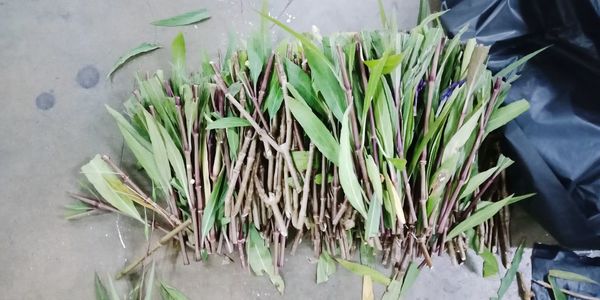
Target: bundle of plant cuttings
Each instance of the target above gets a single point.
(367, 142)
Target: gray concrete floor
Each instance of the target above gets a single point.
(52, 121)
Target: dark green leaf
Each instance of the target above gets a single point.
(142, 48)
(314, 128)
(184, 19)
(483, 214)
(510, 273)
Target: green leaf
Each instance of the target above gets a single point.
(109, 186)
(518, 63)
(184, 19)
(398, 163)
(140, 49)
(389, 64)
(461, 136)
(374, 213)
(556, 292)
(228, 122)
(372, 84)
(159, 151)
(510, 274)
(149, 283)
(483, 214)
(216, 199)
(274, 97)
(170, 293)
(350, 184)
(314, 128)
(411, 276)
(395, 199)
(424, 10)
(324, 76)
(393, 291)
(101, 292)
(325, 267)
(490, 263)
(566, 275)
(259, 259)
(300, 159)
(364, 271)
(178, 50)
(505, 114)
(301, 88)
(475, 181)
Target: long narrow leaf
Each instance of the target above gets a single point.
(184, 19)
(364, 271)
(314, 128)
(483, 215)
(350, 184)
(140, 49)
(510, 273)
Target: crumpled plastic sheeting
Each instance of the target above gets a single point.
(545, 258)
(556, 144)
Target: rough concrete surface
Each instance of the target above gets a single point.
(54, 57)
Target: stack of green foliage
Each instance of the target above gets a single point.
(364, 141)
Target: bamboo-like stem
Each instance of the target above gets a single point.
(94, 203)
(423, 162)
(288, 124)
(471, 159)
(245, 178)
(233, 177)
(358, 148)
(270, 201)
(160, 243)
(306, 188)
(283, 149)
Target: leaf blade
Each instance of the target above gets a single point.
(139, 50)
(187, 18)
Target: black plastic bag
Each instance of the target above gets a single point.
(545, 258)
(556, 144)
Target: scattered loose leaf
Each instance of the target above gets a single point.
(259, 259)
(170, 293)
(364, 271)
(490, 263)
(184, 19)
(140, 49)
(325, 267)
